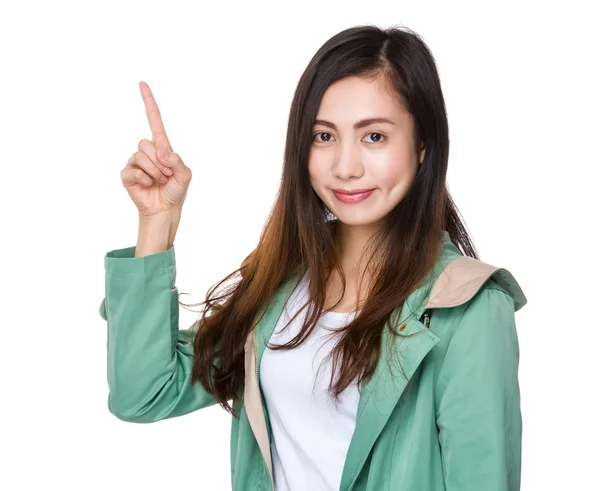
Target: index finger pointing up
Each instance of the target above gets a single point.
(159, 136)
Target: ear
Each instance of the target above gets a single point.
(422, 156)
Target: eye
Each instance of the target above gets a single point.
(322, 133)
(329, 136)
(379, 139)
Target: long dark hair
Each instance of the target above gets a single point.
(298, 234)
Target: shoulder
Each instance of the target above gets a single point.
(474, 303)
(465, 278)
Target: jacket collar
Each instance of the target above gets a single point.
(454, 279)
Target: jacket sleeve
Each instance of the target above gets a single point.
(149, 360)
(478, 398)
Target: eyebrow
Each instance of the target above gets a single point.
(360, 124)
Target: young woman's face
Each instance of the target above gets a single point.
(378, 156)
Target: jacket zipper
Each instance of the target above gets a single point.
(427, 316)
(254, 346)
(256, 368)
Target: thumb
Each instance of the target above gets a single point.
(173, 161)
(168, 159)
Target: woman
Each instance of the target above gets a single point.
(357, 275)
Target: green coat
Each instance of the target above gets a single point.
(456, 426)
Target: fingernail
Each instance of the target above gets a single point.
(163, 179)
(168, 171)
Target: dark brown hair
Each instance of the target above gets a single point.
(298, 234)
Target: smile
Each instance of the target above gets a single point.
(352, 198)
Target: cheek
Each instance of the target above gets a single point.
(317, 174)
(315, 169)
(392, 174)
(396, 177)
(397, 167)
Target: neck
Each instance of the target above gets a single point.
(351, 243)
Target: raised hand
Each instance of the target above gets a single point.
(155, 177)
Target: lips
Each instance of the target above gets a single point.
(353, 197)
(353, 191)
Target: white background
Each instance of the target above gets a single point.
(521, 85)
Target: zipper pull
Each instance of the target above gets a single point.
(427, 316)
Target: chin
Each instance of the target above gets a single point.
(358, 219)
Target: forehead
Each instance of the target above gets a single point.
(353, 98)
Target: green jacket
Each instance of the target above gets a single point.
(456, 426)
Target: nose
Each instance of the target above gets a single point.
(347, 164)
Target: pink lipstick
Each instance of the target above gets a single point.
(352, 196)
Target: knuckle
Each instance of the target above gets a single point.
(141, 159)
(126, 178)
(142, 143)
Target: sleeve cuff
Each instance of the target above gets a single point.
(122, 261)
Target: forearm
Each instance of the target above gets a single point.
(157, 233)
(149, 359)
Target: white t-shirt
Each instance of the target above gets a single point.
(311, 435)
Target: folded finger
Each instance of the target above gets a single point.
(150, 150)
(131, 175)
(144, 162)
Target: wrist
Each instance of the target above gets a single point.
(162, 217)
(156, 233)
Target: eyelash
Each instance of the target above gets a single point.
(370, 133)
